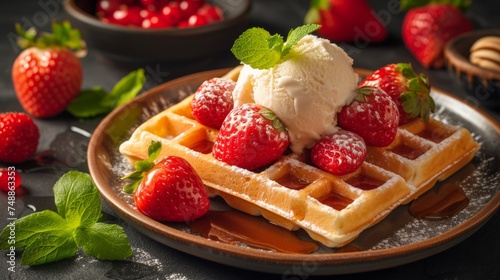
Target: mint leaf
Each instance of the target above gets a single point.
(50, 247)
(296, 34)
(88, 103)
(261, 50)
(77, 199)
(255, 48)
(48, 236)
(96, 101)
(111, 237)
(30, 228)
(126, 89)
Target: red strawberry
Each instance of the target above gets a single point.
(339, 153)
(19, 136)
(10, 179)
(213, 101)
(346, 21)
(372, 115)
(250, 137)
(47, 76)
(169, 190)
(410, 91)
(427, 29)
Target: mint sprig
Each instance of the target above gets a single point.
(142, 167)
(97, 101)
(261, 50)
(47, 236)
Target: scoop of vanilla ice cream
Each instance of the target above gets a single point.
(305, 91)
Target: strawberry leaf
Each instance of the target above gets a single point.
(62, 35)
(142, 167)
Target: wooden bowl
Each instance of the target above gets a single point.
(481, 84)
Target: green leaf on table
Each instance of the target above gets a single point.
(96, 101)
(100, 235)
(48, 236)
(88, 103)
(126, 89)
(77, 199)
(50, 247)
(29, 228)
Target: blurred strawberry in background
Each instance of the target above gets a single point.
(430, 24)
(346, 21)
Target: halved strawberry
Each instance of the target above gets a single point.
(212, 101)
(373, 115)
(410, 91)
(250, 137)
(169, 190)
(339, 153)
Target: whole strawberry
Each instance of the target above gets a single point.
(250, 137)
(212, 101)
(339, 153)
(411, 92)
(47, 75)
(169, 190)
(373, 115)
(20, 136)
(346, 21)
(427, 29)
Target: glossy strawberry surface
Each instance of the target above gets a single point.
(46, 80)
(427, 29)
(172, 191)
(20, 136)
(347, 21)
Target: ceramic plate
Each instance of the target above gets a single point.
(396, 240)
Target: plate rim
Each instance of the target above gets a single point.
(328, 261)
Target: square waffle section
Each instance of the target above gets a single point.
(290, 192)
(425, 152)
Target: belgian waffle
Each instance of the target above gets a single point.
(291, 192)
(425, 152)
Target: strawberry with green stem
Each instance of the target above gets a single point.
(168, 190)
(409, 90)
(47, 74)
